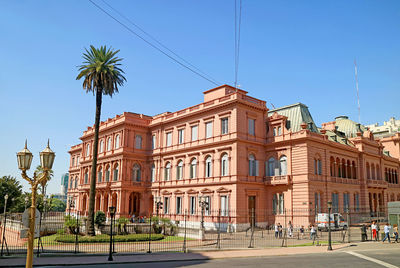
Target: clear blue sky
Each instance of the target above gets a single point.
(291, 51)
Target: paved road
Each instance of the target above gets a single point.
(364, 258)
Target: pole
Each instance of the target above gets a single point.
(219, 230)
(149, 251)
(184, 249)
(329, 230)
(4, 229)
(77, 233)
(348, 226)
(31, 233)
(110, 257)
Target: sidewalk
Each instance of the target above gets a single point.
(165, 257)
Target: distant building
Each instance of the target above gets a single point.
(389, 128)
(64, 184)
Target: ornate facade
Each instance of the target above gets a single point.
(238, 155)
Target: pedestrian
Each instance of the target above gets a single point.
(302, 231)
(276, 230)
(386, 230)
(313, 233)
(290, 229)
(280, 230)
(374, 229)
(133, 218)
(396, 233)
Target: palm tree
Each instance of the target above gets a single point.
(102, 76)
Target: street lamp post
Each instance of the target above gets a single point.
(158, 203)
(329, 225)
(203, 205)
(4, 225)
(24, 158)
(112, 213)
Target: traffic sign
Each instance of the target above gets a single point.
(26, 216)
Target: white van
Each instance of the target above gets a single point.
(337, 221)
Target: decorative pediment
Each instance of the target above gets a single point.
(276, 116)
(223, 190)
(165, 192)
(206, 191)
(191, 191)
(178, 192)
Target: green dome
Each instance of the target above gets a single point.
(348, 127)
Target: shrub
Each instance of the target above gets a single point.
(71, 224)
(122, 225)
(99, 218)
(106, 238)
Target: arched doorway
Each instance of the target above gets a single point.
(105, 204)
(134, 203)
(84, 203)
(98, 202)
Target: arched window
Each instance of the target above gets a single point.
(224, 165)
(378, 172)
(354, 168)
(101, 146)
(115, 175)
(338, 168)
(368, 171)
(86, 178)
(136, 172)
(274, 204)
(167, 174)
(373, 171)
(332, 166)
(87, 149)
(153, 173)
(109, 144)
(343, 168)
(116, 143)
(208, 171)
(99, 175)
(282, 165)
(193, 166)
(108, 174)
(76, 182)
(271, 166)
(348, 172)
(179, 170)
(253, 166)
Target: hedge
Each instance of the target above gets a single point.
(106, 238)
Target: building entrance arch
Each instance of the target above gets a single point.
(134, 203)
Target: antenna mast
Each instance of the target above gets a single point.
(358, 96)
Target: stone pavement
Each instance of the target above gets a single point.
(204, 255)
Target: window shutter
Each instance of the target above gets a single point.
(257, 174)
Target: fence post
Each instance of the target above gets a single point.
(219, 230)
(252, 223)
(284, 240)
(348, 226)
(184, 248)
(3, 240)
(149, 251)
(77, 232)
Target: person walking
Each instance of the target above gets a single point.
(276, 230)
(374, 229)
(280, 230)
(386, 230)
(290, 229)
(302, 231)
(313, 233)
(396, 233)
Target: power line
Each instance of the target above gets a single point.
(152, 45)
(158, 42)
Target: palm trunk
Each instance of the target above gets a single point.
(92, 194)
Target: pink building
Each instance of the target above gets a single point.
(238, 155)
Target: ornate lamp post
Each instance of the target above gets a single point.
(157, 201)
(203, 205)
(112, 214)
(24, 158)
(329, 225)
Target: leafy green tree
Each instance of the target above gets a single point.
(57, 205)
(100, 218)
(102, 76)
(9, 185)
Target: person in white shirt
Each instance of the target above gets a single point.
(386, 229)
(374, 228)
(277, 230)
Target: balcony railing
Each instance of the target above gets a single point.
(278, 180)
(377, 183)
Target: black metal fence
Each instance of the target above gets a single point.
(210, 230)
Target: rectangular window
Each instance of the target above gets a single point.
(178, 205)
(115, 177)
(153, 142)
(169, 139)
(77, 160)
(194, 133)
(99, 175)
(281, 203)
(138, 142)
(224, 126)
(192, 205)
(107, 175)
(346, 202)
(335, 202)
(356, 202)
(207, 210)
(86, 178)
(181, 136)
(252, 127)
(279, 131)
(209, 128)
(274, 131)
(166, 205)
(319, 167)
(153, 173)
(317, 202)
(224, 205)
